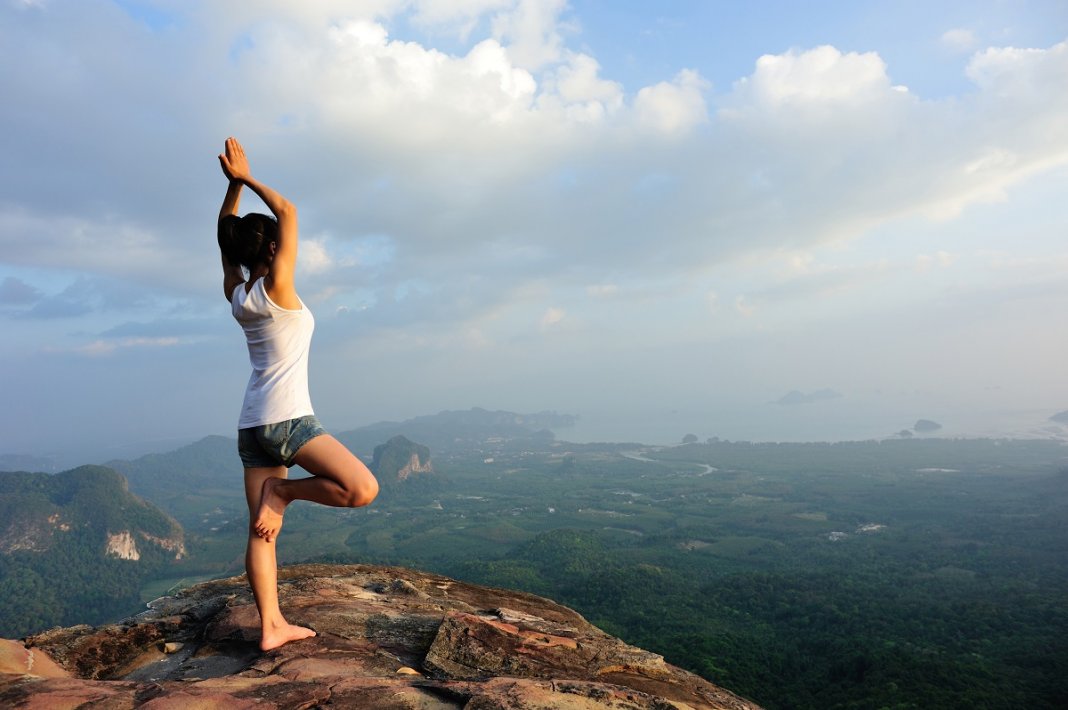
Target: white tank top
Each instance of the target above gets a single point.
(278, 343)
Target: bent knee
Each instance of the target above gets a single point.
(362, 493)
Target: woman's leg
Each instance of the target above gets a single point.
(339, 479)
(261, 564)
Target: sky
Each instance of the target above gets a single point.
(767, 220)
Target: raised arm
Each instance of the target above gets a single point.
(232, 273)
(279, 282)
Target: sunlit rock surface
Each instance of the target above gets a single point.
(388, 638)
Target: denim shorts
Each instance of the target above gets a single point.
(276, 444)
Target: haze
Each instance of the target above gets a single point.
(663, 217)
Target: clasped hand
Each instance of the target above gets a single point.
(233, 161)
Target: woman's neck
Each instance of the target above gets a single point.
(258, 272)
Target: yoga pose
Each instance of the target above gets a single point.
(277, 427)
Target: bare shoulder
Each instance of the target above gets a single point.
(282, 293)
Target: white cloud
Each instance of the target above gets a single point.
(602, 290)
(742, 306)
(98, 348)
(818, 282)
(453, 155)
(107, 246)
(673, 107)
(577, 89)
(532, 32)
(820, 76)
(1034, 75)
(551, 317)
(314, 258)
(461, 16)
(833, 122)
(511, 163)
(924, 262)
(329, 258)
(959, 39)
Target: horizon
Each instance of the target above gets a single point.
(1024, 426)
(764, 223)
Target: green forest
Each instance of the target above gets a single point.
(924, 573)
(54, 569)
(916, 574)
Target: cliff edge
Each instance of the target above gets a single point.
(388, 638)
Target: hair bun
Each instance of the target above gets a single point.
(246, 240)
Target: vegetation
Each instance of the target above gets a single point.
(918, 573)
(398, 458)
(55, 569)
(901, 574)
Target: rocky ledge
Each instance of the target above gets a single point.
(387, 638)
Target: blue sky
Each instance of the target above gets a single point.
(664, 217)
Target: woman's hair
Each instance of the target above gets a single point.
(246, 240)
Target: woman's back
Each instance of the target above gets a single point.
(279, 341)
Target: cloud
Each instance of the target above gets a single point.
(16, 292)
(743, 307)
(99, 348)
(959, 40)
(794, 397)
(512, 161)
(459, 17)
(674, 107)
(602, 290)
(166, 329)
(106, 247)
(61, 306)
(820, 76)
(83, 296)
(551, 317)
(77, 299)
(577, 89)
(1021, 74)
(924, 262)
(810, 280)
(839, 149)
(532, 32)
(457, 159)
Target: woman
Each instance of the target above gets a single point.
(277, 427)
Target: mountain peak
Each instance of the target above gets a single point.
(399, 458)
(387, 638)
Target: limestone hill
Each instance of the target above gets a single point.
(399, 458)
(75, 546)
(388, 638)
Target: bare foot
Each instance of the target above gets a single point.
(278, 636)
(272, 508)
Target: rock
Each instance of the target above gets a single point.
(399, 458)
(387, 638)
(17, 659)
